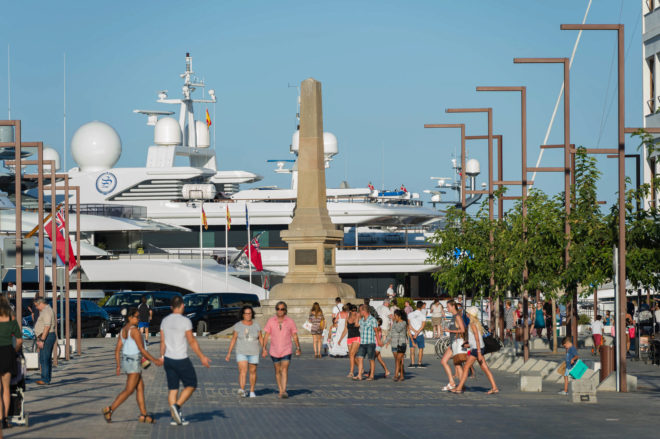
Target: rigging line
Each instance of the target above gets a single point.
(606, 104)
(561, 93)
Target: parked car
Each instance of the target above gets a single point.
(118, 305)
(93, 319)
(214, 312)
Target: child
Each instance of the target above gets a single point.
(571, 358)
(597, 334)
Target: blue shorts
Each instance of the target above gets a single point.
(474, 353)
(179, 371)
(419, 340)
(143, 325)
(367, 351)
(252, 359)
(278, 359)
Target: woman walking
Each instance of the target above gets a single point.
(318, 324)
(539, 319)
(476, 353)
(249, 341)
(129, 355)
(379, 346)
(337, 348)
(456, 330)
(9, 329)
(438, 318)
(398, 339)
(509, 321)
(352, 334)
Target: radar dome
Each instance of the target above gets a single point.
(472, 167)
(167, 132)
(95, 146)
(51, 154)
(329, 143)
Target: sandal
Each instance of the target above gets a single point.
(493, 391)
(147, 419)
(357, 378)
(448, 388)
(458, 392)
(370, 379)
(107, 414)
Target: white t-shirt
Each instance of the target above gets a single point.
(390, 292)
(174, 329)
(385, 314)
(417, 319)
(337, 309)
(597, 327)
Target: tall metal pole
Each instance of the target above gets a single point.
(78, 280)
(201, 251)
(19, 223)
(67, 242)
(462, 127)
(53, 243)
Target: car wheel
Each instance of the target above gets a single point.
(103, 329)
(201, 328)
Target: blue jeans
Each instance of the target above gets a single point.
(46, 358)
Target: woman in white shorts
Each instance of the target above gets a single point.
(249, 341)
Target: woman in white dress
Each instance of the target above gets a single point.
(338, 349)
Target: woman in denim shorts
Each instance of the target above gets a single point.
(248, 340)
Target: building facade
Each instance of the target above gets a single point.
(651, 88)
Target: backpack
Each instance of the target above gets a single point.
(466, 320)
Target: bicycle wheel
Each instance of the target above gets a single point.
(441, 345)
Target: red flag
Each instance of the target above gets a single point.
(60, 225)
(255, 255)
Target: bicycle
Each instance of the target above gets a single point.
(441, 345)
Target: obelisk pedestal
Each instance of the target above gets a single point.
(311, 236)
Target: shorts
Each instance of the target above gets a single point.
(379, 348)
(352, 340)
(568, 372)
(252, 359)
(419, 340)
(401, 349)
(143, 325)
(598, 340)
(131, 363)
(475, 353)
(179, 371)
(278, 359)
(436, 321)
(367, 351)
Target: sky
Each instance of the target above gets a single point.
(387, 68)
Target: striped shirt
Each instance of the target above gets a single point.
(367, 334)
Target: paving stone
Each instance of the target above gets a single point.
(531, 381)
(516, 365)
(527, 366)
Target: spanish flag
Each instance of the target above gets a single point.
(204, 222)
(208, 118)
(228, 219)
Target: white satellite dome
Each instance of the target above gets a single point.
(51, 154)
(95, 146)
(472, 167)
(329, 143)
(167, 132)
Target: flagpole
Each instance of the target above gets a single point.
(226, 247)
(201, 254)
(247, 222)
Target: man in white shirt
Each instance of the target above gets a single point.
(597, 332)
(416, 321)
(337, 308)
(385, 315)
(390, 291)
(175, 336)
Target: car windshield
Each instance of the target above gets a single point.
(124, 299)
(193, 301)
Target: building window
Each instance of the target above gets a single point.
(651, 4)
(650, 62)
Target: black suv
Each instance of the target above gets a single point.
(159, 302)
(214, 312)
(94, 321)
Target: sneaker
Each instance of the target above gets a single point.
(176, 414)
(421, 366)
(562, 393)
(412, 366)
(183, 422)
(240, 392)
(253, 395)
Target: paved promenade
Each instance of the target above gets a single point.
(324, 403)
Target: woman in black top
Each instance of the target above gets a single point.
(9, 329)
(352, 330)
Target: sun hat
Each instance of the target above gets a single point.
(473, 311)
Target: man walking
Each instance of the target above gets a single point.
(367, 347)
(337, 308)
(44, 330)
(175, 337)
(146, 315)
(281, 329)
(385, 315)
(416, 320)
(390, 292)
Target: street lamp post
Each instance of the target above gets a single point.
(462, 127)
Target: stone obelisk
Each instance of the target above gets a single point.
(311, 236)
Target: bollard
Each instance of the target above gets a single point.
(606, 361)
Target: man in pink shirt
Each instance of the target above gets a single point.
(280, 329)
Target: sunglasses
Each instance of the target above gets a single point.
(281, 309)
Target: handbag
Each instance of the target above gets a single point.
(491, 344)
(322, 324)
(307, 325)
(561, 370)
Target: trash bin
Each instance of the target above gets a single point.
(606, 361)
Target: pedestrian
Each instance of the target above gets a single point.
(338, 345)
(456, 330)
(175, 337)
(352, 335)
(416, 320)
(571, 358)
(539, 319)
(547, 310)
(318, 325)
(9, 331)
(390, 292)
(656, 315)
(397, 338)
(520, 322)
(385, 314)
(372, 310)
(608, 320)
(337, 308)
(248, 339)
(475, 338)
(44, 330)
(437, 318)
(597, 333)
(509, 321)
(146, 314)
(281, 329)
(380, 341)
(129, 354)
(367, 349)
(407, 308)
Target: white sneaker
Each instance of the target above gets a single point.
(253, 395)
(240, 392)
(183, 422)
(175, 411)
(448, 388)
(562, 393)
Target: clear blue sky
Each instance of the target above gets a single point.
(387, 67)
